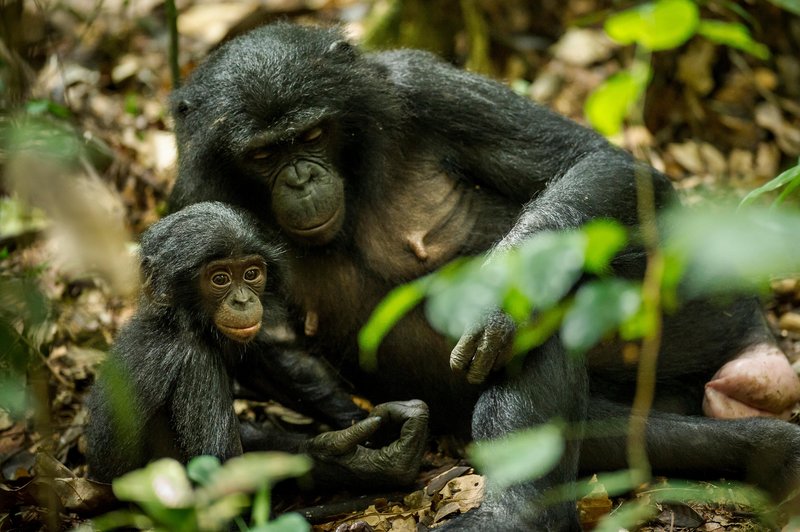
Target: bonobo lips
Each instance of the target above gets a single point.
(240, 334)
(321, 232)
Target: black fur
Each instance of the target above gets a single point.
(425, 149)
(166, 388)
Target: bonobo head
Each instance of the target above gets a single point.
(209, 264)
(282, 121)
(231, 289)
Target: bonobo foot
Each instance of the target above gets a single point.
(344, 456)
(758, 382)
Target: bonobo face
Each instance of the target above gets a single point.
(231, 290)
(307, 194)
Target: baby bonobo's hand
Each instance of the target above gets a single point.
(342, 457)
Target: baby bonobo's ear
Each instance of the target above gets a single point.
(154, 289)
(342, 49)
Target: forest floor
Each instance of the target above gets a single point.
(719, 123)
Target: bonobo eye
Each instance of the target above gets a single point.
(221, 279)
(312, 134)
(253, 274)
(261, 154)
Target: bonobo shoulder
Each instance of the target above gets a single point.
(410, 69)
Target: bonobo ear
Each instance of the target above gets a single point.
(151, 287)
(180, 107)
(342, 49)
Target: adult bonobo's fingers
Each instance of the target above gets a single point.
(414, 432)
(343, 441)
(399, 462)
(399, 412)
(462, 354)
(494, 349)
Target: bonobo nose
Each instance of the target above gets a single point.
(299, 174)
(243, 297)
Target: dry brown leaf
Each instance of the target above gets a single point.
(595, 505)
(687, 154)
(694, 66)
(583, 47)
(790, 322)
(770, 117)
(211, 22)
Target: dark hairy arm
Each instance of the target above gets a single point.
(560, 174)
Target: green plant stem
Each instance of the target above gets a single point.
(261, 506)
(651, 301)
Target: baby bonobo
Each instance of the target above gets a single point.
(209, 300)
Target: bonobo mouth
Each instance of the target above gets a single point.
(240, 334)
(321, 233)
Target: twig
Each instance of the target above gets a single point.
(325, 512)
(172, 22)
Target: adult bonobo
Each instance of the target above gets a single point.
(379, 168)
(210, 298)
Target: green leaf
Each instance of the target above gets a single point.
(788, 177)
(14, 397)
(41, 107)
(659, 25)
(248, 472)
(461, 294)
(550, 265)
(122, 519)
(520, 456)
(600, 306)
(734, 250)
(609, 104)
(627, 517)
(604, 239)
(163, 482)
(734, 35)
(792, 6)
(218, 514)
(201, 469)
(535, 333)
(132, 104)
(291, 522)
(387, 313)
(517, 305)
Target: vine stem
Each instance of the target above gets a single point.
(651, 302)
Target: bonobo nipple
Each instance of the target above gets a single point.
(417, 246)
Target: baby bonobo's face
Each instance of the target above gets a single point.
(231, 290)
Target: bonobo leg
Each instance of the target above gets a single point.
(762, 451)
(551, 385)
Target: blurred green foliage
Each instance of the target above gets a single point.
(169, 501)
(528, 282)
(654, 26)
(23, 308)
(787, 182)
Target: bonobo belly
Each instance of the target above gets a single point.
(426, 219)
(413, 363)
(337, 299)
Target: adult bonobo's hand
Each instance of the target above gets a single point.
(340, 456)
(485, 347)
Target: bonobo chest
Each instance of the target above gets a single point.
(423, 218)
(416, 222)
